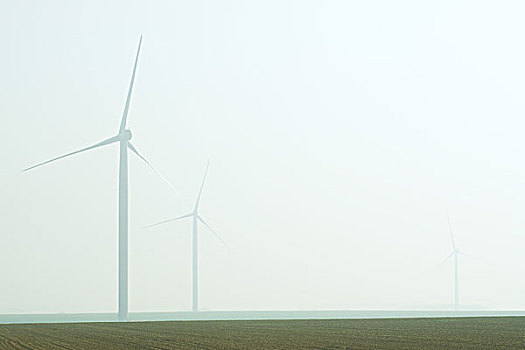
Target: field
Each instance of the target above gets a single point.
(441, 333)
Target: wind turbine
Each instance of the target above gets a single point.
(123, 138)
(455, 253)
(195, 242)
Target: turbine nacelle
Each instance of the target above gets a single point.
(125, 135)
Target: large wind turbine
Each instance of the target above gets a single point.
(455, 253)
(123, 138)
(195, 242)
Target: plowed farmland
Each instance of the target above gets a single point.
(442, 333)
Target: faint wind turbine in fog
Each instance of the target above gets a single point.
(123, 138)
(195, 242)
(455, 253)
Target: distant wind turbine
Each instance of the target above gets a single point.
(123, 137)
(455, 253)
(195, 242)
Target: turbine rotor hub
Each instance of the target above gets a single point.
(125, 135)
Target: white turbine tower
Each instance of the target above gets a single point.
(455, 253)
(123, 138)
(195, 242)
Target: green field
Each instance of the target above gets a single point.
(441, 333)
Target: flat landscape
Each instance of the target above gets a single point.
(437, 333)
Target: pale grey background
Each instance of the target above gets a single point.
(340, 134)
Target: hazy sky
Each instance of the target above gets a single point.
(340, 134)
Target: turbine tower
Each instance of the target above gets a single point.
(455, 253)
(195, 242)
(123, 138)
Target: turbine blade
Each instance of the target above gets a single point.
(446, 258)
(213, 231)
(132, 148)
(460, 252)
(202, 185)
(169, 220)
(100, 144)
(128, 99)
(451, 234)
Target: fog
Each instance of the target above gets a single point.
(340, 135)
